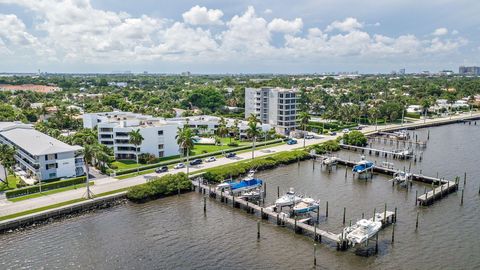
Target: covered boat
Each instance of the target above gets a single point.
(362, 166)
(305, 205)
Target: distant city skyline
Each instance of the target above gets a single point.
(269, 36)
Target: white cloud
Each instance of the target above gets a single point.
(284, 26)
(347, 25)
(202, 16)
(268, 11)
(73, 31)
(440, 31)
(455, 32)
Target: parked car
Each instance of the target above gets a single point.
(309, 136)
(358, 128)
(179, 166)
(161, 169)
(291, 142)
(333, 133)
(196, 162)
(230, 155)
(210, 159)
(346, 130)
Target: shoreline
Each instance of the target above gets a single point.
(115, 189)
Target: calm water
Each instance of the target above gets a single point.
(173, 233)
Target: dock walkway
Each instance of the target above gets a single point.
(267, 213)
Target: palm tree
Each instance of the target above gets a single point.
(185, 141)
(304, 119)
(252, 131)
(136, 139)
(222, 129)
(7, 159)
(374, 112)
(89, 152)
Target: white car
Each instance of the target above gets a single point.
(346, 130)
(309, 136)
(179, 166)
(210, 159)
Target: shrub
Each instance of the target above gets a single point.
(233, 144)
(54, 185)
(158, 187)
(355, 138)
(218, 174)
(328, 146)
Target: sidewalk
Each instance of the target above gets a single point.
(109, 184)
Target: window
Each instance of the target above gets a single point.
(51, 166)
(161, 154)
(160, 132)
(281, 95)
(160, 146)
(52, 175)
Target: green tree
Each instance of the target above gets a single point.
(89, 152)
(252, 131)
(222, 129)
(304, 119)
(136, 139)
(185, 141)
(355, 137)
(7, 159)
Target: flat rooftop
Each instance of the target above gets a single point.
(35, 142)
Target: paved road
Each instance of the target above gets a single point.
(109, 183)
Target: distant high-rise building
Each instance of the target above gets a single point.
(472, 70)
(401, 71)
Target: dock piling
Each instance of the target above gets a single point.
(326, 211)
(393, 233)
(315, 254)
(416, 196)
(416, 223)
(344, 212)
(258, 229)
(204, 204)
(278, 192)
(461, 200)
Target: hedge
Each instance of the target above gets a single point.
(49, 186)
(159, 187)
(174, 161)
(323, 148)
(218, 174)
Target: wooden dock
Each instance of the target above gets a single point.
(377, 152)
(398, 142)
(441, 187)
(281, 219)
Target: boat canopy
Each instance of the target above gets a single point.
(246, 183)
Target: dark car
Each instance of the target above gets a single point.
(196, 162)
(161, 169)
(230, 155)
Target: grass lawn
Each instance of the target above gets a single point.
(131, 164)
(52, 191)
(12, 181)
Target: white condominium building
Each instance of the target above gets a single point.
(274, 106)
(114, 127)
(39, 156)
(209, 124)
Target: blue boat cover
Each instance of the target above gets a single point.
(246, 183)
(362, 167)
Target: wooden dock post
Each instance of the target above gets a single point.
(393, 233)
(278, 192)
(374, 211)
(376, 243)
(416, 223)
(326, 211)
(315, 254)
(464, 180)
(258, 229)
(204, 204)
(363, 215)
(264, 190)
(318, 214)
(385, 215)
(344, 212)
(346, 171)
(395, 217)
(461, 200)
(314, 232)
(416, 196)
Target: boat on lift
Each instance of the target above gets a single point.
(401, 177)
(361, 231)
(246, 184)
(289, 199)
(330, 161)
(306, 205)
(401, 135)
(363, 166)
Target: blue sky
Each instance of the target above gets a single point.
(268, 36)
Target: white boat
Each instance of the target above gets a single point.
(289, 199)
(388, 165)
(252, 194)
(329, 161)
(361, 231)
(401, 135)
(305, 205)
(401, 177)
(362, 166)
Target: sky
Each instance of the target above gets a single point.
(263, 36)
